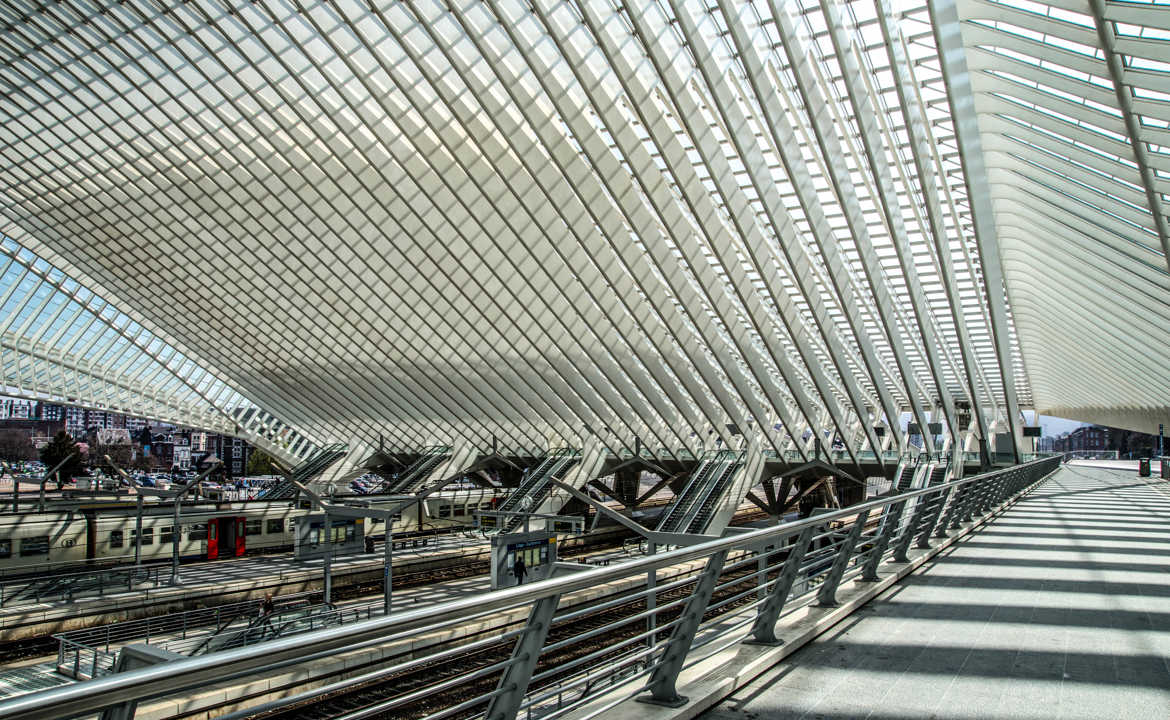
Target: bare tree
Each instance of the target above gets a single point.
(16, 445)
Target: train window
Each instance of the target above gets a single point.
(198, 531)
(444, 511)
(276, 526)
(350, 533)
(5, 548)
(115, 538)
(34, 545)
(254, 527)
(147, 536)
(166, 535)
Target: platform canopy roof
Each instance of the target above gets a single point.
(547, 223)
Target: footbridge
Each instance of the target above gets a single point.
(1034, 590)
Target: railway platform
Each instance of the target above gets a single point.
(251, 578)
(233, 580)
(1057, 609)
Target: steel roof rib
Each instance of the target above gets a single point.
(529, 225)
(1108, 38)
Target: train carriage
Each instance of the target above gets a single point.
(107, 532)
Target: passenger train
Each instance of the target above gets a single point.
(104, 532)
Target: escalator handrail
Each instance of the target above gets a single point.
(714, 494)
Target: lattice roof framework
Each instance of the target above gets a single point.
(550, 222)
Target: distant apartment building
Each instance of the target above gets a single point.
(50, 412)
(17, 409)
(1088, 437)
(75, 421)
(181, 449)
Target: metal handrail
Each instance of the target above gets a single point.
(188, 674)
(75, 584)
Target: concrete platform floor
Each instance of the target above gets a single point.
(1058, 609)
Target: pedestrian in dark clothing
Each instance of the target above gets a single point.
(267, 606)
(519, 571)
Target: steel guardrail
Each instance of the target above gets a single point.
(192, 673)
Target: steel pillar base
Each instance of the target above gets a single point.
(676, 702)
(766, 643)
(868, 580)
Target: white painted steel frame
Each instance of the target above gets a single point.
(538, 225)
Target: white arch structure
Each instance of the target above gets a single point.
(532, 224)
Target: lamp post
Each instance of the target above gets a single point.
(328, 560)
(388, 562)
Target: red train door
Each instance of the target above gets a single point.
(212, 539)
(240, 528)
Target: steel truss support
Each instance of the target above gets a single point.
(514, 681)
(1105, 31)
(662, 682)
(891, 517)
(764, 628)
(827, 594)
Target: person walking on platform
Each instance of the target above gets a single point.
(520, 571)
(264, 622)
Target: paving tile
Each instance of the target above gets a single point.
(1056, 610)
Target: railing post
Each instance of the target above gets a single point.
(327, 560)
(827, 595)
(662, 682)
(982, 500)
(651, 599)
(937, 505)
(387, 564)
(949, 520)
(903, 546)
(514, 681)
(891, 516)
(970, 502)
(997, 491)
(764, 629)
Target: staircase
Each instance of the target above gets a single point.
(287, 621)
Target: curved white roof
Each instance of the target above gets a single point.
(555, 222)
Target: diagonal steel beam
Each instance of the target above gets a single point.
(961, 100)
(1105, 31)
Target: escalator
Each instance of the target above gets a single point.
(313, 466)
(537, 484)
(906, 472)
(698, 500)
(418, 471)
(938, 474)
(711, 501)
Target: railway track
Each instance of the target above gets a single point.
(409, 689)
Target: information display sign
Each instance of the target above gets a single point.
(536, 550)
